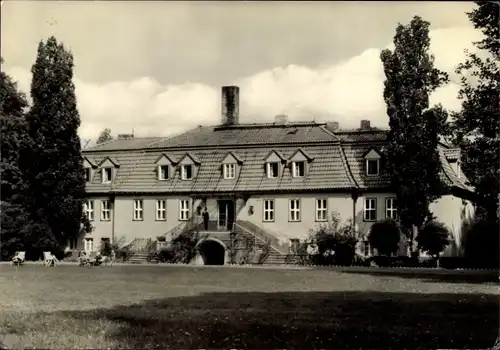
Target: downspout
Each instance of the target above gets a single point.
(354, 196)
(113, 212)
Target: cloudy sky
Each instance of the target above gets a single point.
(157, 67)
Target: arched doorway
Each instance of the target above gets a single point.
(212, 252)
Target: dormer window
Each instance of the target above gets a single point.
(88, 168)
(107, 175)
(163, 173)
(229, 171)
(108, 167)
(299, 169)
(372, 167)
(187, 172)
(372, 162)
(272, 170)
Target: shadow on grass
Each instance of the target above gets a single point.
(303, 320)
(433, 276)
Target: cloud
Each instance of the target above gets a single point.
(344, 91)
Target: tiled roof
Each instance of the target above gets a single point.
(138, 173)
(452, 154)
(124, 144)
(335, 164)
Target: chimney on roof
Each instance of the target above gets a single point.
(281, 119)
(333, 126)
(365, 125)
(230, 105)
(125, 136)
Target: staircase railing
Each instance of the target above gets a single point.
(258, 237)
(264, 236)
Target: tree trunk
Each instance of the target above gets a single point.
(414, 233)
(437, 260)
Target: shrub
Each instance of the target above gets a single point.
(335, 241)
(481, 246)
(182, 249)
(106, 249)
(385, 236)
(433, 237)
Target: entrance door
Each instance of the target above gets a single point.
(226, 214)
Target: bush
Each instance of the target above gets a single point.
(385, 236)
(182, 249)
(481, 246)
(335, 241)
(433, 237)
(106, 249)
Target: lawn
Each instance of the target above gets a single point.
(69, 307)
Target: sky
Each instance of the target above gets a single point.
(157, 67)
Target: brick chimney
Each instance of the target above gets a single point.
(281, 119)
(230, 105)
(365, 125)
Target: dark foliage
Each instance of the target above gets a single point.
(482, 244)
(433, 237)
(476, 128)
(385, 236)
(13, 139)
(52, 163)
(104, 136)
(182, 249)
(412, 160)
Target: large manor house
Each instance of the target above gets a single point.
(277, 180)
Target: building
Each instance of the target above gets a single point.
(274, 180)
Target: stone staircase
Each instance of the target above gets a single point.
(140, 248)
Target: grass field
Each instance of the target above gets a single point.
(69, 307)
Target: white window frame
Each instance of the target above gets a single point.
(321, 209)
(294, 210)
(163, 172)
(89, 210)
(105, 179)
(295, 168)
(138, 210)
(229, 171)
(88, 244)
(269, 167)
(184, 210)
(184, 172)
(367, 248)
(161, 210)
(370, 205)
(391, 210)
(368, 168)
(105, 210)
(268, 207)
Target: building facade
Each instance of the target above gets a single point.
(277, 180)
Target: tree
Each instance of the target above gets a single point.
(412, 159)
(13, 130)
(385, 236)
(104, 136)
(52, 164)
(433, 237)
(477, 126)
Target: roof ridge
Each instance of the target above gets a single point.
(324, 128)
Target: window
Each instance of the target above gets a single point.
(187, 172)
(184, 210)
(163, 172)
(299, 169)
(105, 210)
(87, 174)
(105, 241)
(89, 244)
(321, 210)
(370, 211)
(106, 175)
(391, 211)
(367, 249)
(294, 206)
(269, 210)
(229, 171)
(272, 170)
(372, 167)
(73, 243)
(89, 210)
(161, 210)
(138, 215)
